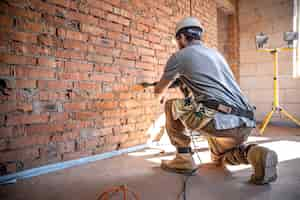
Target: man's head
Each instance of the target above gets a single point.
(188, 30)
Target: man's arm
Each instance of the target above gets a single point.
(160, 87)
(170, 73)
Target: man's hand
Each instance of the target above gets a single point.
(159, 89)
(143, 85)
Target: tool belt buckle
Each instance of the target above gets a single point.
(224, 109)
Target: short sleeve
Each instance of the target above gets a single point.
(172, 68)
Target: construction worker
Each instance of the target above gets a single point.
(214, 106)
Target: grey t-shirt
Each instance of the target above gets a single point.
(206, 73)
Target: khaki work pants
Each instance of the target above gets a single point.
(225, 145)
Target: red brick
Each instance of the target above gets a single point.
(99, 59)
(129, 104)
(100, 4)
(5, 71)
(100, 96)
(14, 59)
(158, 47)
(65, 147)
(73, 35)
(53, 96)
(66, 136)
(42, 6)
(118, 36)
(97, 12)
(101, 41)
(105, 105)
(8, 107)
(34, 73)
(86, 115)
(127, 95)
(120, 87)
(114, 139)
(148, 59)
(24, 107)
(111, 25)
(23, 154)
(26, 84)
(82, 18)
(129, 55)
(142, 27)
(54, 84)
(110, 122)
(25, 13)
(75, 155)
(74, 106)
(44, 128)
(102, 77)
(74, 44)
(103, 50)
(27, 119)
(62, 117)
(29, 49)
(46, 61)
(146, 66)
(145, 51)
(64, 3)
(127, 128)
(118, 19)
(6, 21)
(48, 40)
(124, 63)
(6, 132)
(78, 67)
(107, 69)
(32, 26)
(27, 141)
(70, 54)
(87, 85)
(73, 76)
(94, 30)
(154, 38)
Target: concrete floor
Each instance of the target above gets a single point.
(141, 172)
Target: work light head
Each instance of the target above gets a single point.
(260, 40)
(289, 37)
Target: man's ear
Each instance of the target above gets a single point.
(181, 36)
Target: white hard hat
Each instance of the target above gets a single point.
(188, 22)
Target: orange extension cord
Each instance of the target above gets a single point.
(119, 189)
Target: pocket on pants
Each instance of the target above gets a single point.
(191, 118)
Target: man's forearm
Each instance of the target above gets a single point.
(161, 86)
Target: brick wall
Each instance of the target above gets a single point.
(71, 69)
(223, 42)
(272, 17)
(228, 35)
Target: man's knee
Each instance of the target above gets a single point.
(238, 155)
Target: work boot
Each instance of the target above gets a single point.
(182, 163)
(264, 162)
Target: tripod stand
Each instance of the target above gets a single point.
(276, 107)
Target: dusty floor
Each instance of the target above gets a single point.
(141, 172)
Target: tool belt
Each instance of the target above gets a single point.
(212, 104)
(227, 109)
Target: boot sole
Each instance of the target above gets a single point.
(191, 172)
(270, 169)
